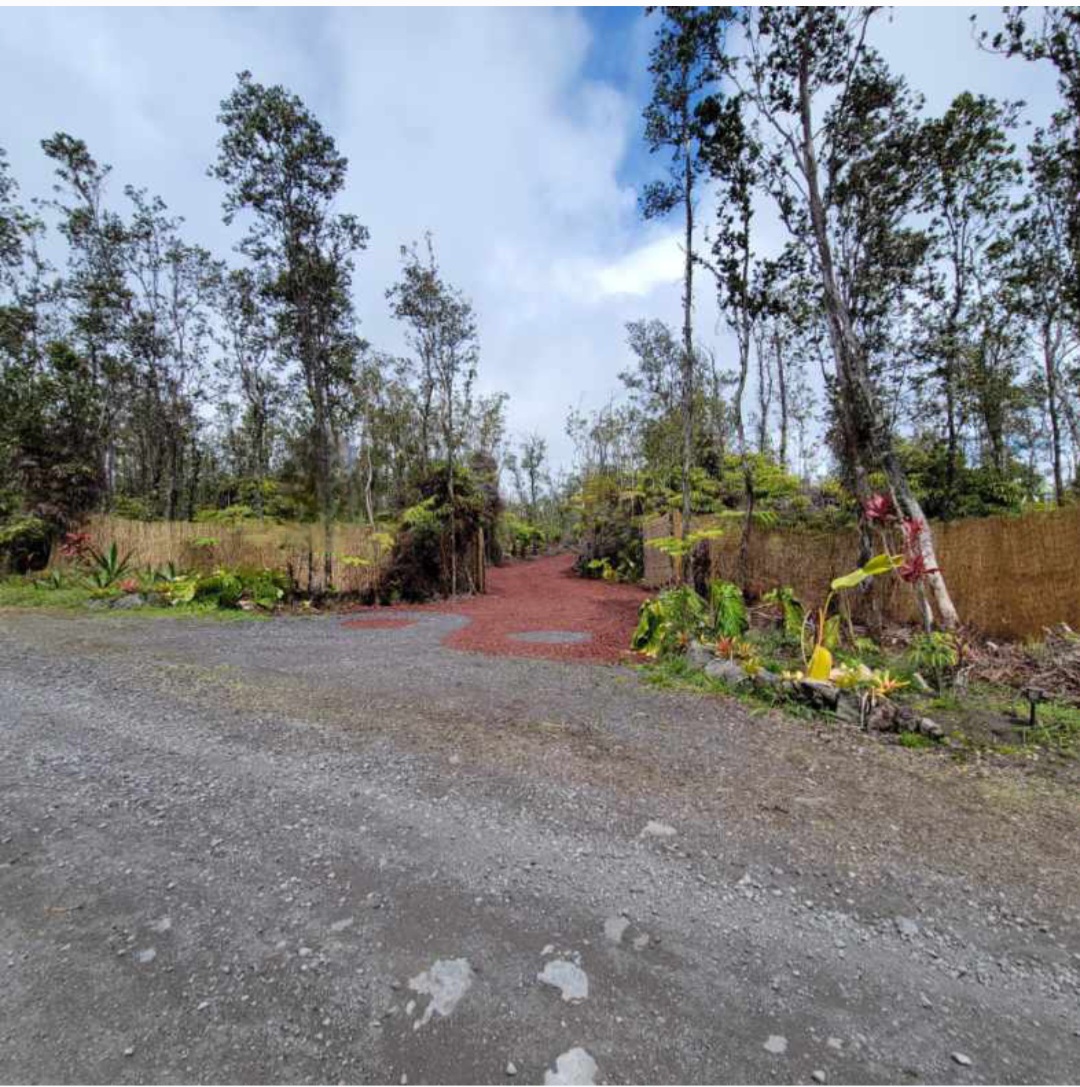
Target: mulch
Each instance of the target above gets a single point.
(541, 594)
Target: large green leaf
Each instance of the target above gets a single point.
(849, 581)
(882, 564)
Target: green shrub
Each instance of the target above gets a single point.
(132, 509)
(221, 587)
(727, 609)
(25, 543)
(668, 623)
(106, 568)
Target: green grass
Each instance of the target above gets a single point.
(21, 593)
(915, 740)
(676, 674)
(1056, 724)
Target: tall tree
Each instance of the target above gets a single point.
(971, 175)
(1051, 35)
(96, 294)
(683, 65)
(278, 163)
(443, 333)
(167, 338)
(533, 458)
(849, 175)
(249, 364)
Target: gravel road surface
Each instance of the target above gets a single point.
(299, 851)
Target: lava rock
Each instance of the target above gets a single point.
(727, 672)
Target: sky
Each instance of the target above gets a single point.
(513, 134)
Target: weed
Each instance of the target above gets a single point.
(915, 740)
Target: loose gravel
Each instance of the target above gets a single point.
(325, 835)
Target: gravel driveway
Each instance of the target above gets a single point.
(298, 851)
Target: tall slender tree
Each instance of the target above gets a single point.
(684, 66)
(278, 164)
(443, 333)
(842, 170)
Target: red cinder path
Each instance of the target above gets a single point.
(544, 595)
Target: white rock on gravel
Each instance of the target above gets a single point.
(574, 1067)
(446, 982)
(614, 928)
(906, 927)
(567, 977)
(653, 829)
(962, 1058)
(775, 1044)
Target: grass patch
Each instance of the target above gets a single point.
(677, 674)
(915, 740)
(20, 593)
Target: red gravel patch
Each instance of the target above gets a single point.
(377, 624)
(545, 595)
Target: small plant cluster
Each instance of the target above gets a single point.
(520, 538)
(680, 616)
(110, 575)
(808, 655)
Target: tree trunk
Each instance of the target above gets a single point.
(688, 347)
(747, 471)
(855, 378)
(781, 380)
(1049, 346)
(450, 489)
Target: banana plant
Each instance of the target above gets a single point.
(820, 663)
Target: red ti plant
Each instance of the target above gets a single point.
(880, 509)
(75, 545)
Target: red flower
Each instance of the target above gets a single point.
(130, 585)
(879, 507)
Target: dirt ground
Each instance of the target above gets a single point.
(304, 850)
(541, 596)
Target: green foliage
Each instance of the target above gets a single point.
(727, 609)
(915, 740)
(678, 547)
(668, 623)
(934, 651)
(25, 543)
(106, 568)
(974, 492)
(610, 527)
(21, 592)
(423, 518)
(132, 508)
(520, 537)
(229, 515)
(1057, 724)
(792, 612)
(223, 588)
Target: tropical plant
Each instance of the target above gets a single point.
(106, 568)
(727, 609)
(820, 661)
(793, 614)
(936, 652)
(668, 623)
